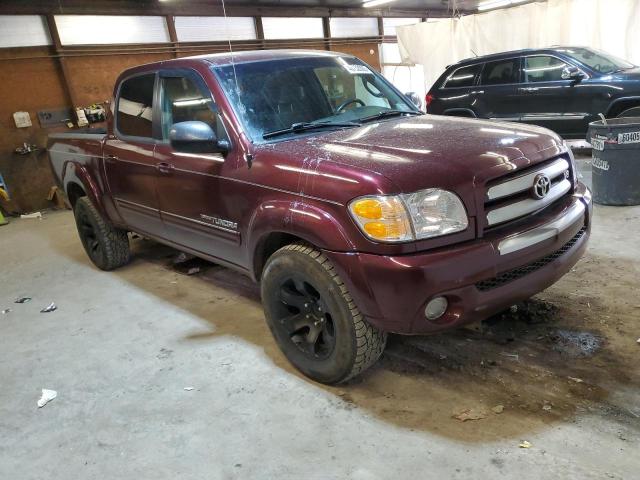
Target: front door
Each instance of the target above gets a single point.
(195, 206)
(129, 162)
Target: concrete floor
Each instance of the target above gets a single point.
(122, 347)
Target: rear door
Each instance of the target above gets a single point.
(545, 94)
(498, 94)
(129, 162)
(456, 95)
(198, 205)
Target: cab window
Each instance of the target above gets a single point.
(543, 69)
(183, 101)
(135, 106)
(463, 77)
(501, 72)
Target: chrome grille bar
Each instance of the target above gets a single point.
(524, 182)
(529, 205)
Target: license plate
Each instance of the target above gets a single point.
(597, 144)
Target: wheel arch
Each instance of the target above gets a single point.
(279, 223)
(621, 104)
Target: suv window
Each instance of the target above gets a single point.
(183, 101)
(501, 72)
(462, 77)
(543, 69)
(135, 106)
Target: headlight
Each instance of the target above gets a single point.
(382, 218)
(400, 218)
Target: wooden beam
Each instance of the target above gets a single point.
(62, 62)
(326, 32)
(200, 7)
(173, 35)
(259, 31)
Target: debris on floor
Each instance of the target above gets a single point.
(498, 409)
(469, 414)
(187, 264)
(525, 444)
(574, 379)
(638, 341)
(187, 389)
(49, 308)
(193, 270)
(23, 300)
(47, 396)
(6, 310)
(547, 407)
(37, 215)
(575, 343)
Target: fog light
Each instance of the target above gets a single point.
(436, 308)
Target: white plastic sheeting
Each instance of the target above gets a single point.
(203, 29)
(609, 25)
(23, 31)
(111, 29)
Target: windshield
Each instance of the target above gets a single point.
(598, 61)
(269, 96)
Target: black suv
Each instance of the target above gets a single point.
(561, 88)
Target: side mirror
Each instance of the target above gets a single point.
(572, 73)
(196, 137)
(415, 99)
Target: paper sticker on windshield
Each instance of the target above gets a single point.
(631, 137)
(356, 69)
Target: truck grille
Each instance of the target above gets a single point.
(520, 272)
(527, 192)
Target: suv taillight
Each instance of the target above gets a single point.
(427, 101)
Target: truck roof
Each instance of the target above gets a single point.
(246, 56)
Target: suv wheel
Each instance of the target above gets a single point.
(313, 317)
(107, 246)
(630, 112)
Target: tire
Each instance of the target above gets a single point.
(106, 246)
(313, 318)
(630, 112)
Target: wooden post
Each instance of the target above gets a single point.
(62, 61)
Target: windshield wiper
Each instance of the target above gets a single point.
(305, 126)
(386, 114)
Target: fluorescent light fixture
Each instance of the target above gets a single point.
(375, 3)
(491, 4)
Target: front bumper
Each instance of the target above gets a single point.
(478, 278)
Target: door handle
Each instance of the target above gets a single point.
(164, 167)
(111, 158)
(529, 89)
(477, 92)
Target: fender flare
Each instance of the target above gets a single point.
(76, 173)
(317, 224)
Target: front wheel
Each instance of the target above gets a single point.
(313, 317)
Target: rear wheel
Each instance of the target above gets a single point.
(313, 317)
(630, 112)
(106, 246)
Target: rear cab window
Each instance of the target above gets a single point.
(134, 116)
(463, 77)
(501, 72)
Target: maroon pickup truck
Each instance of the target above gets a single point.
(309, 172)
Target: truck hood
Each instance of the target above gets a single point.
(436, 151)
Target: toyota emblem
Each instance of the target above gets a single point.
(541, 186)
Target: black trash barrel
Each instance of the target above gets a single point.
(615, 162)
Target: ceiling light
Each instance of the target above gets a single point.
(491, 4)
(375, 3)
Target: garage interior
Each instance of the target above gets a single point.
(165, 368)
